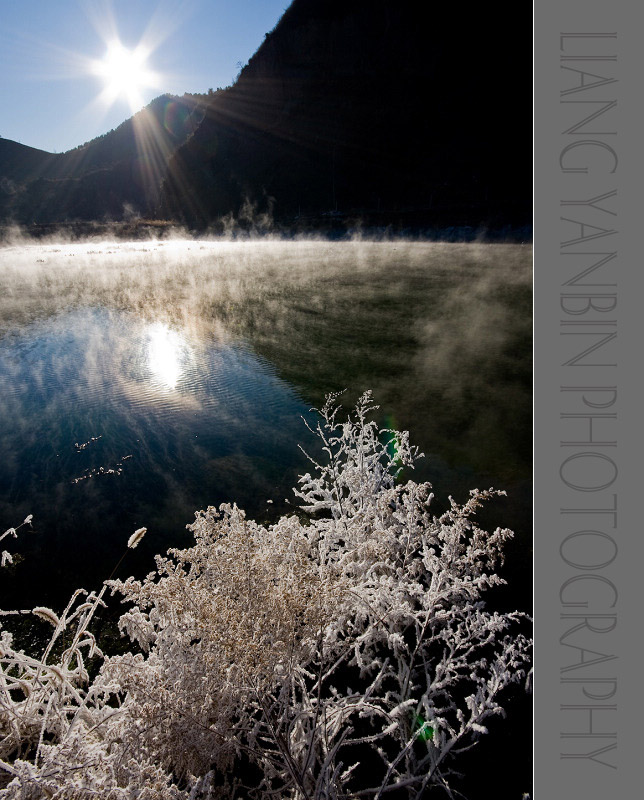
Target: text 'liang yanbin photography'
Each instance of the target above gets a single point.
(265, 401)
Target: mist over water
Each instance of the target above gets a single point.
(142, 381)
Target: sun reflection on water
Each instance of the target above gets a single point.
(167, 354)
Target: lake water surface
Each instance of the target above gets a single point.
(141, 382)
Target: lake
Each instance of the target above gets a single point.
(142, 381)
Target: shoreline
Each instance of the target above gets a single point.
(333, 228)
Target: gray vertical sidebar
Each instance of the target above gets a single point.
(589, 356)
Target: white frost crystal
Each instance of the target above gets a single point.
(136, 537)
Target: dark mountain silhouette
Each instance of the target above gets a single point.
(383, 110)
(377, 108)
(111, 177)
(21, 163)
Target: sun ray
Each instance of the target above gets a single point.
(125, 68)
(152, 150)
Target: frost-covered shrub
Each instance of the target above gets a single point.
(342, 652)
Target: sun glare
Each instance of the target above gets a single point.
(126, 74)
(167, 351)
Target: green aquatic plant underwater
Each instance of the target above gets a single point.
(342, 652)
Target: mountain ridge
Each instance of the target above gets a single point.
(375, 110)
(111, 177)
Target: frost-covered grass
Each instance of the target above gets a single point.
(342, 652)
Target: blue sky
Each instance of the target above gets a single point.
(51, 99)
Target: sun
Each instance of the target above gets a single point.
(126, 74)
